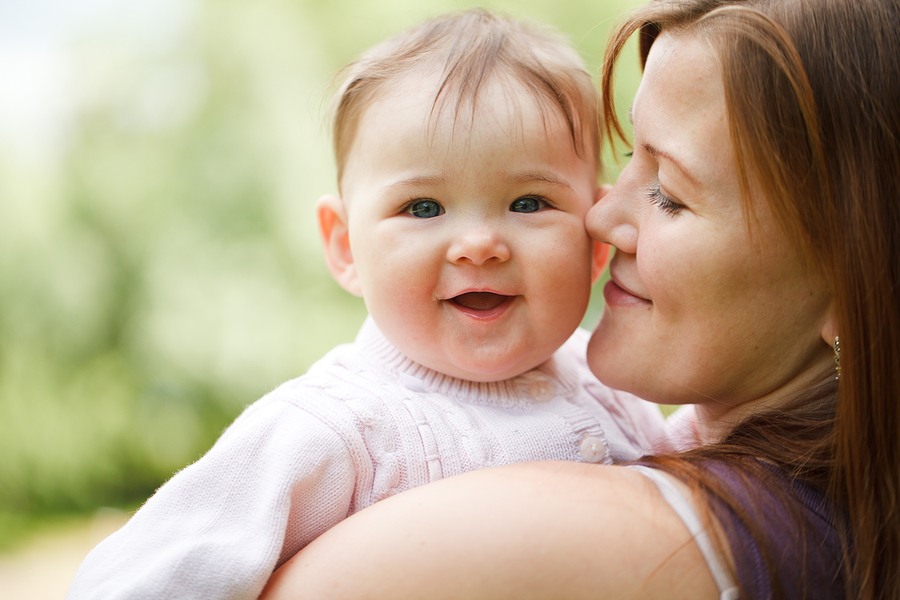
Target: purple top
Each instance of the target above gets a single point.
(807, 563)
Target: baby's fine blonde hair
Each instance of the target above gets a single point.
(469, 49)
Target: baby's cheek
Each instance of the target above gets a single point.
(572, 250)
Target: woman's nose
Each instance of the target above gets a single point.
(613, 218)
(478, 245)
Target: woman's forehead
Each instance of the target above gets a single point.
(680, 115)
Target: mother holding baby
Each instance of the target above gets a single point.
(756, 281)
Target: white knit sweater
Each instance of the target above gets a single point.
(365, 423)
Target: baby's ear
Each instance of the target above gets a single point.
(332, 217)
(601, 257)
(601, 250)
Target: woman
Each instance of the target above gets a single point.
(756, 280)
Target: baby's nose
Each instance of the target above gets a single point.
(478, 245)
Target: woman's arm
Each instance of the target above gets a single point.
(538, 530)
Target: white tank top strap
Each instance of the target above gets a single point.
(728, 590)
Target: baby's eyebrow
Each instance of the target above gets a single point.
(532, 176)
(515, 178)
(425, 180)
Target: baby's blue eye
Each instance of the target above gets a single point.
(425, 209)
(527, 204)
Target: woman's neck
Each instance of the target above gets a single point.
(715, 420)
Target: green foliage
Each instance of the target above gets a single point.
(160, 267)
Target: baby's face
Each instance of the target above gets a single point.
(468, 237)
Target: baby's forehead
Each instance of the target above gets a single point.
(437, 98)
(439, 106)
(412, 134)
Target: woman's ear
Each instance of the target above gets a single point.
(830, 328)
(332, 217)
(601, 250)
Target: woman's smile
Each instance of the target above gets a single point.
(617, 293)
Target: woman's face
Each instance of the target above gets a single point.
(702, 306)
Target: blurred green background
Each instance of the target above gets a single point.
(159, 263)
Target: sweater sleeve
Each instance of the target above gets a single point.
(276, 479)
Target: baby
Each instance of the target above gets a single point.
(467, 160)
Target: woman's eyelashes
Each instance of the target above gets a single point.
(663, 202)
(424, 208)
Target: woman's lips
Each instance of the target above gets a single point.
(616, 295)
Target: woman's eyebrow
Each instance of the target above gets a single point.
(661, 154)
(657, 153)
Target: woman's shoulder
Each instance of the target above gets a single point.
(552, 529)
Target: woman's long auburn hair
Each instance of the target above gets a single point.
(812, 90)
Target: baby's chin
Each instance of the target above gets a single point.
(473, 354)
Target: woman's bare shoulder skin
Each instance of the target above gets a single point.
(537, 530)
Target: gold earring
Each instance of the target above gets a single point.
(837, 357)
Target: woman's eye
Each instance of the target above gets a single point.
(527, 204)
(665, 204)
(425, 209)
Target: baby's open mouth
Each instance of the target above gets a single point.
(480, 300)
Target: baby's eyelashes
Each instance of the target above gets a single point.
(427, 208)
(528, 204)
(424, 208)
